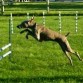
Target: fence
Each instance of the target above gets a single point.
(2, 7)
(2, 4)
(22, 0)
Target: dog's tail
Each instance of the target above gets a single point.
(67, 34)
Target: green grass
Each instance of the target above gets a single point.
(41, 62)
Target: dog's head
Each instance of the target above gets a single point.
(27, 24)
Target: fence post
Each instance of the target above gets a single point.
(2, 7)
(10, 2)
(47, 6)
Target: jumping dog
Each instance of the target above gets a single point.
(24, 25)
(28, 26)
(40, 30)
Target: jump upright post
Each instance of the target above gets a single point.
(8, 45)
(28, 16)
(76, 27)
(11, 23)
(60, 21)
(43, 18)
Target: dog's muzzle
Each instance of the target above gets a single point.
(18, 26)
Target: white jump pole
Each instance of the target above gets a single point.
(43, 18)
(4, 55)
(76, 27)
(9, 52)
(6, 46)
(28, 16)
(60, 21)
(11, 23)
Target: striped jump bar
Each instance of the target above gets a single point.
(6, 46)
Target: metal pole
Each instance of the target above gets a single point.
(10, 36)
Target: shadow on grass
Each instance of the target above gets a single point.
(57, 79)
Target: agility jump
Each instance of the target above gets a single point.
(9, 44)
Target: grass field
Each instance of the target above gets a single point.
(41, 62)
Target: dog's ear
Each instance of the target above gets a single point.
(32, 18)
(31, 21)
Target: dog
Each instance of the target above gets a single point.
(28, 26)
(24, 25)
(39, 31)
(55, 36)
(59, 38)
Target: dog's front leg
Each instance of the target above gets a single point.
(25, 30)
(38, 35)
(27, 35)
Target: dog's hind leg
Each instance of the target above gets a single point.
(77, 54)
(69, 57)
(69, 49)
(65, 50)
